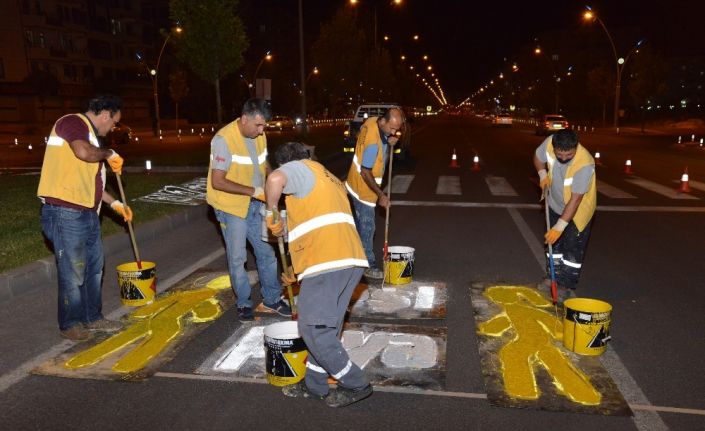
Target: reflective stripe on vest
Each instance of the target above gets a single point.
(319, 222)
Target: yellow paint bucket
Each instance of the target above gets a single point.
(399, 267)
(285, 353)
(586, 325)
(137, 285)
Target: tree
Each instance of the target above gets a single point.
(213, 40)
(648, 78)
(178, 89)
(601, 84)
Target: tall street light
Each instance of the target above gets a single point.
(394, 2)
(154, 74)
(267, 57)
(589, 15)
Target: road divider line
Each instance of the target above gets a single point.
(527, 206)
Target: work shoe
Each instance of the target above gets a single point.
(281, 308)
(244, 314)
(104, 325)
(562, 292)
(76, 333)
(374, 273)
(300, 390)
(341, 397)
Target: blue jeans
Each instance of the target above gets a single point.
(365, 224)
(78, 249)
(235, 231)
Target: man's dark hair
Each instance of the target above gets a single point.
(105, 102)
(565, 140)
(291, 151)
(387, 115)
(254, 107)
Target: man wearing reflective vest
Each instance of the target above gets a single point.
(72, 188)
(235, 190)
(328, 257)
(567, 169)
(364, 179)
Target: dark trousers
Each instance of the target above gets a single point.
(568, 252)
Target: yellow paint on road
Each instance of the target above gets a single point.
(156, 324)
(535, 333)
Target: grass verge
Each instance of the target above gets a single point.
(21, 239)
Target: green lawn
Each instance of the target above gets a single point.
(21, 238)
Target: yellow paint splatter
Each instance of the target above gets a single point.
(535, 332)
(157, 324)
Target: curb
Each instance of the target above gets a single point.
(42, 273)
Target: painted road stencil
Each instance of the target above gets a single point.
(152, 334)
(524, 362)
(191, 193)
(415, 300)
(394, 355)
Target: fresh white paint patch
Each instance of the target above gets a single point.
(424, 297)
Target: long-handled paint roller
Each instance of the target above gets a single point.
(385, 249)
(554, 286)
(287, 268)
(129, 224)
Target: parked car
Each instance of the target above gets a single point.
(502, 120)
(280, 122)
(402, 150)
(551, 123)
(120, 134)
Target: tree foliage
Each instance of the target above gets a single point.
(647, 77)
(213, 39)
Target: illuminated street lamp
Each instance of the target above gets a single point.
(589, 15)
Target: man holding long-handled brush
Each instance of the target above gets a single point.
(364, 181)
(72, 188)
(567, 169)
(328, 257)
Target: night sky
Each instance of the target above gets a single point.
(467, 40)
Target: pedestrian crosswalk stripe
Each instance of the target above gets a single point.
(659, 189)
(499, 186)
(612, 192)
(448, 185)
(400, 183)
(697, 185)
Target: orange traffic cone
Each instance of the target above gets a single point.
(454, 160)
(685, 187)
(628, 167)
(476, 163)
(598, 162)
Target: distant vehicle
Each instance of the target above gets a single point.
(120, 134)
(502, 120)
(280, 122)
(402, 150)
(551, 123)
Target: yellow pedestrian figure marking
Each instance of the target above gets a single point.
(534, 343)
(156, 324)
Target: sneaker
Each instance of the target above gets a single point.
(104, 325)
(374, 273)
(244, 314)
(300, 390)
(281, 308)
(76, 333)
(341, 397)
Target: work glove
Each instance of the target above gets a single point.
(115, 162)
(555, 232)
(288, 277)
(277, 227)
(258, 194)
(543, 179)
(122, 209)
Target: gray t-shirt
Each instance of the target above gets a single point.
(222, 157)
(581, 179)
(299, 179)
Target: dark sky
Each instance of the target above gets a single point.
(467, 40)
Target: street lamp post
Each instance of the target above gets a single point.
(620, 62)
(154, 74)
(267, 57)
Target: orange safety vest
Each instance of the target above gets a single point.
(369, 135)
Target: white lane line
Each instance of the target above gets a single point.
(412, 391)
(645, 420)
(660, 189)
(400, 184)
(499, 186)
(448, 185)
(612, 191)
(19, 373)
(525, 206)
